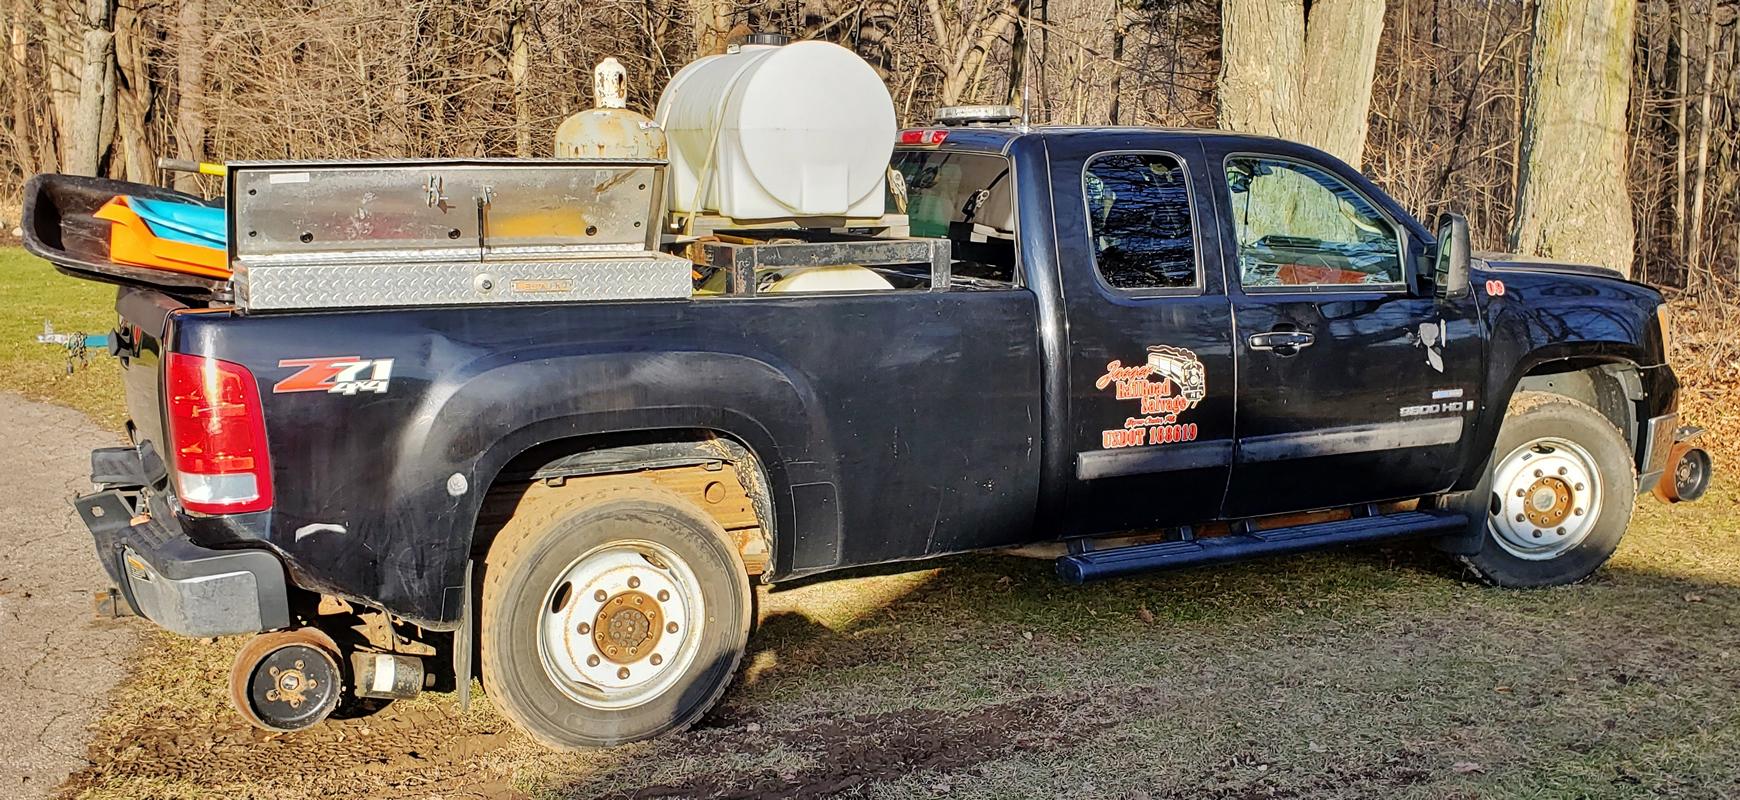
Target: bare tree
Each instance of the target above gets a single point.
(96, 89)
(1573, 205)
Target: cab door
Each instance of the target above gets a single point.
(1150, 367)
(1355, 385)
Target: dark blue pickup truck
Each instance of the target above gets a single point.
(1145, 348)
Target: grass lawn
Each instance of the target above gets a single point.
(31, 292)
(1359, 673)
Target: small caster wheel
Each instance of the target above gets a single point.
(286, 680)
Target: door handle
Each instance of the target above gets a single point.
(1282, 343)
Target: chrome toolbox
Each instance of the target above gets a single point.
(360, 234)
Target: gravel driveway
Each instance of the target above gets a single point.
(57, 661)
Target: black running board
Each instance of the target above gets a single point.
(1094, 564)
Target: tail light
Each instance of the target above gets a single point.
(217, 436)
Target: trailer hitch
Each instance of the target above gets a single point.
(78, 345)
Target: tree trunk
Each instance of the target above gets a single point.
(61, 53)
(190, 89)
(135, 95)
(1341, 44)
(1681, 87)
(711, 23)
(1261, 66)
(96, 85)
(1283, 74)
(1695, 240)
(1119, 33)
(1573, 205)
(519, 64)
(21, 111)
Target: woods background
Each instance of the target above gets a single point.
(1441, 102)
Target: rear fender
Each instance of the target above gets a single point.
(476, 422)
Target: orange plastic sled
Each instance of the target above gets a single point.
(132, 242)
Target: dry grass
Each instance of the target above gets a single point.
(1348, 674)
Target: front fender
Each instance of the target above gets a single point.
(1547, 322)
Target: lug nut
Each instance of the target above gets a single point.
(671, 628)
(657, 659)
(1563, 471)
(633, 582)
(1561, 531)
(1538, 473)
(599, 595)
(1578, 487)
(622, 673)
(1521, 493)
(1578, 512)
(592, 661)
(584, 629)
(664, 596)
(1520, 518)
(1538, 533)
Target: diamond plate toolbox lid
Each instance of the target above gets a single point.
(356, 234)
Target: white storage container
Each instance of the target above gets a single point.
(785, 131)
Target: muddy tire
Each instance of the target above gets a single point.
(610, 615)
(1562, 489)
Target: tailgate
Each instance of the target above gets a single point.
(139, 342)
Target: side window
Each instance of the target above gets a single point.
(1298, 225)
(1138, 208)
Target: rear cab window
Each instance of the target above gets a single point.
(967, 198)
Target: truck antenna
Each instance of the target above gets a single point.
(1026, 60)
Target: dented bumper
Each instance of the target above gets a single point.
(166, 577)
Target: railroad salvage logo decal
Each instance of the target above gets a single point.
(1172, 382)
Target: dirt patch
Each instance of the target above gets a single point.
(850, 752)
(401, 751)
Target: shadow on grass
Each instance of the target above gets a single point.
(1383, 669)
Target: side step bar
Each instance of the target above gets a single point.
(1094, 564)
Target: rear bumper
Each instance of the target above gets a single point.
(164, 576)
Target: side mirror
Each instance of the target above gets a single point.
(1450, 266)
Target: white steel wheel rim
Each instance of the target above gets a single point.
(596, 628)
(1546, 499)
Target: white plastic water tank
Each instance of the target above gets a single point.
(785, 131)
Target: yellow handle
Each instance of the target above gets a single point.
(185, 165)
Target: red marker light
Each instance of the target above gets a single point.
(923, 137)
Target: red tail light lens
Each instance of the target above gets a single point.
(217, 436)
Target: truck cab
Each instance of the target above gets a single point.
(1234, 327)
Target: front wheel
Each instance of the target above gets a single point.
(610, 615)
(1562, 489)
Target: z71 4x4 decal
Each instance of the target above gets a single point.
(1172, 382)
(336, 375)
